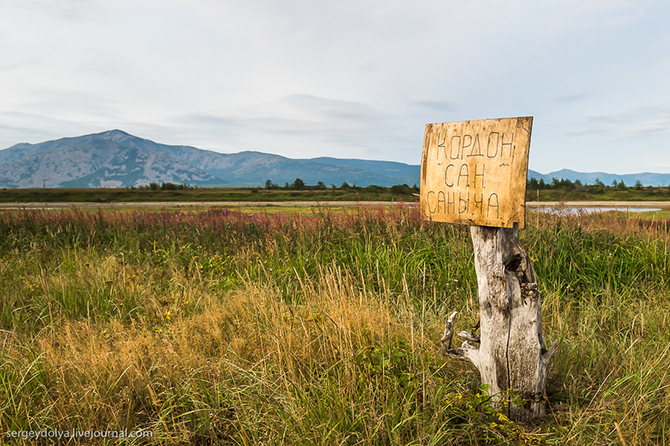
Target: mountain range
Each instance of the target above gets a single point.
(646, 178)
(117, 159)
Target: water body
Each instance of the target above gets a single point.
(590, 210)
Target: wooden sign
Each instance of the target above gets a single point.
(474, 172)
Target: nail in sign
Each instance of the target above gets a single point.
(474, 172)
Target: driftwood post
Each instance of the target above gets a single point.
(512, 353)
(474, 172)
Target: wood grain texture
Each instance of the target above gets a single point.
(474, 172)
(512, 356)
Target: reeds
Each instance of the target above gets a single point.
(222, 327)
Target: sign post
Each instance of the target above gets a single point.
(474, 173)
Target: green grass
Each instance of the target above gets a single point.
(257, 194)
(662, 215)
(223, 194)
(648, 193)
(219, 326)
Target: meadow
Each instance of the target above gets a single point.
(169, 192)
(217, 326)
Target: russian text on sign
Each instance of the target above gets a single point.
(474, 172)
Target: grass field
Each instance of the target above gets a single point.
(310, 193)
(223, 194)
(215, 326)
(605, 194)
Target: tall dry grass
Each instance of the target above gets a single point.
(218, 327)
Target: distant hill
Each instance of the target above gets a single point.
(109, 159)
(118, 159)
(646, 178)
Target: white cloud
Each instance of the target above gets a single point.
(637, 123)
(62, 9)
(349, 78)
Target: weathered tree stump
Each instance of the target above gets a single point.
(511, 355)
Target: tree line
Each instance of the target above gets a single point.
(299, 184)
(404, 189)
(565, 184)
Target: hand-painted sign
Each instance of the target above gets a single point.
(474, 172)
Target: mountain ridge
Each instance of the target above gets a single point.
(115, 158)
(44, 164)
(629, 179)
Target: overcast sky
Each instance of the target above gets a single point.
(349, 79)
